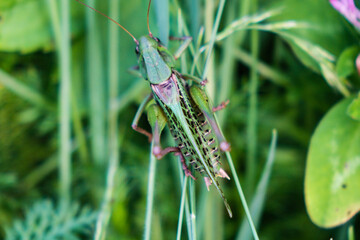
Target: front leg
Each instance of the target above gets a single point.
(138, 114)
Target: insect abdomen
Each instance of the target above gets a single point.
(195, 119)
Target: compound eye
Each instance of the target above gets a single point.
(137, 51)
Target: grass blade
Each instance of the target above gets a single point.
(150, 194)
(162, 19)
(95, 78)
(65, 95)
(242, 196)
(113, 73)
(25, 92)
(257, 204)
(181, 210)
(61, 30)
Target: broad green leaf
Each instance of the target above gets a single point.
(332, 180)
(354, 109)
(346, 62)
(25, 27)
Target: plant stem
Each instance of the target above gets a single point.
(150, 194)
(64, 101)
(113, 73)
(181, 210)
(95, 78)
(25, 92)
(242, 196)
(252, 113)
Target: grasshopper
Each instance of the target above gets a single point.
(184, 107)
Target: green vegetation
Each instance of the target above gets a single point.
(71, 167)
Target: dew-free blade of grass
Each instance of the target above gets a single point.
(227, 66)
(351, 234)
(130, 94)
(257, 204)
(113, 73)
(79, 132)
(150, 193)
(106, 206)
(61, 28)
(181, 209)
(195, 15)
(201, 216)
(183, 30)
(162, 19)
(187, 204)
(242, 196)
(95, 79)
(193, 209)
(209, 65)
(272, 74)
(24, 91)
(251, 128)
(178, 166)
(41, 172)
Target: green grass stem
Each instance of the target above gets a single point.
(274, 75)
(183, 30)
(129, 96)
(213, 37)
(106, 206)
(113, 73)
(150, 194)
(95, 79)
(258, 201)
(181, 210)
(62, 38)
(251, 161)
(79, 132)
(192, 195)
(208, 59)
(351, 234)
(187, 204)
(162, 19)
(242, 196)
(38, 174)
(226, 77)
(25, 92)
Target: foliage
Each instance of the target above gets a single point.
(44, 221)
(332, 171)
(67, 104)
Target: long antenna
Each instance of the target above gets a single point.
(148, 11)
(136, 41)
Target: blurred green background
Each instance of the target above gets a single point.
(67, 102)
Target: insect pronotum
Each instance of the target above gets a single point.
(179, 100)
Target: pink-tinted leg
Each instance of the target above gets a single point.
(225, 146)
(204, 82)
(138, 114)
(221, 106)
(208, 183)
(143, 131)
(185, 168)
(223, 174)
(160, 153)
